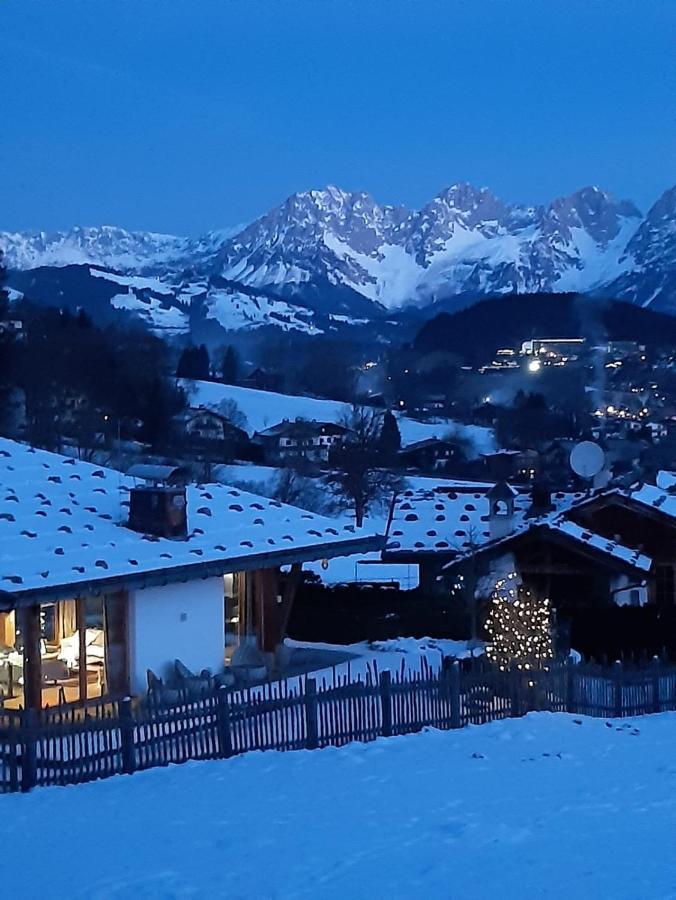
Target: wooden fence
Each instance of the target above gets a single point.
(109, 737)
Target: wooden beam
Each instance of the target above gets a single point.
(32, 660)
(266, 582)
(554, 569)
(116, 637)
(82, 647)
(289, 591)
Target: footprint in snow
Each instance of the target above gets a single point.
(453, 829)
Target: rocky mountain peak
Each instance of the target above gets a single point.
(595, 211)
(654, 243)
(344, 253)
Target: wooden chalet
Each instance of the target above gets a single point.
(104, 577)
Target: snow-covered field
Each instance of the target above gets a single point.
(551, 805)
(265, 408)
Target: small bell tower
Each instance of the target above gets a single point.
(500, 510)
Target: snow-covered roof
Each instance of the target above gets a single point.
(302, 427)
(426, 442)
(604, 545)
(656, 498)
(456, 523)
(452, 521)
(62, 524)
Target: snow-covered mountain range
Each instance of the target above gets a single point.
(341, 254)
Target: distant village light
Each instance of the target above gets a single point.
(534, 365)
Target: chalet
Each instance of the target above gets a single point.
(511, 465)
(263, 380)
(432, 527)
(105, 576)
(206, 429)
(612, 547)
(430, 455)
(300, 441)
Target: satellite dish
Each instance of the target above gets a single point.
(587, 459)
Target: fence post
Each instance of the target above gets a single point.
(569, 675)
(453, 672)
(657, 706)
(14, 752)
(29, 755)
(223, 722)
(312, 730)
(386, 702)
(617, 688)
(126, 717)
(515, 692)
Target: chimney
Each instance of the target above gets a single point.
(541, 500)
(158, 506)
(500, 510)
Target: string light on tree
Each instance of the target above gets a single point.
(519, 626)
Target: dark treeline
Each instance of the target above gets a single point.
(475, 333)
(72, 379)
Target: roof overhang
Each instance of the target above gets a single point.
(556, 536)
(417, 556)
(191, 572)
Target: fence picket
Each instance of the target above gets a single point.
(106, 737)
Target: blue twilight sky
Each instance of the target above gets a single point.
(185, 115)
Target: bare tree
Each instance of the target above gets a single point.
(298, 490)
(467, 575)
(358, 478)
(229, 409)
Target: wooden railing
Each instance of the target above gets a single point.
(110, 737)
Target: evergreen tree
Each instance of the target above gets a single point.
(202, 363)
(389, 441)
(185, 363)
(519, 627)
(230, 366)
(80, 381)
(194, 363)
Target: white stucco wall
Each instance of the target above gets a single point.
(184, 621)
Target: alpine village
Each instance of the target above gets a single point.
(338, 490)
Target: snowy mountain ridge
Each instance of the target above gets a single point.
(337, 252)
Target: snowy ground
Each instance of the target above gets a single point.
(550, 805)
(355, 661)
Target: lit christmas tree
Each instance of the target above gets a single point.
(519, 626)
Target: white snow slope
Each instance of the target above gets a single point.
(265, 408)
(550, 806)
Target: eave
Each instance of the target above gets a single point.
(554, 536)
(191, 572)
